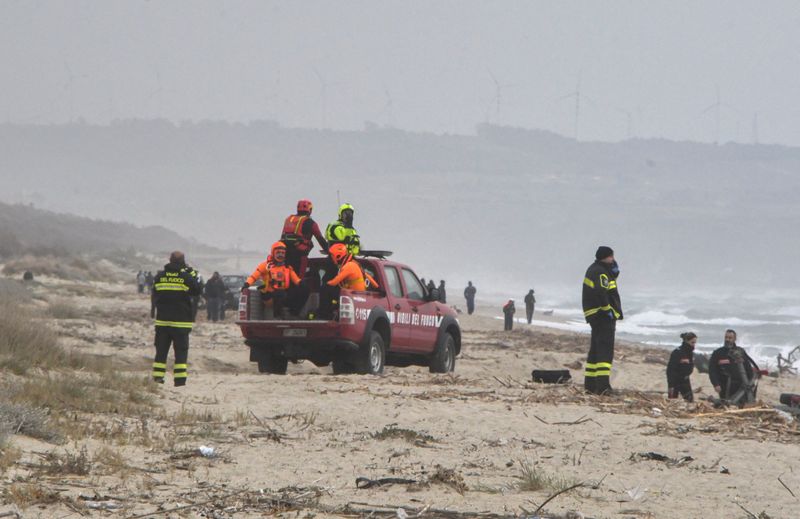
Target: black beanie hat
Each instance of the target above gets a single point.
(603, 252)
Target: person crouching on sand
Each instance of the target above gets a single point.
(680, 367)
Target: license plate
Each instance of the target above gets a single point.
(295, 332)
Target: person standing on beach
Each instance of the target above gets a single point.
(602, 308)
(530, 301)
(469, 295)
(680, 367)
(174, 288)
(508, 312)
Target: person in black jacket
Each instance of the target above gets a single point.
(530, 302)
(602, 308)
(171, 305)
(469, 295)
(729, 366)
(680, 367)
(214, 292)
(442, 292)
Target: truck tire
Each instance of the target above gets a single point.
(371, 357)
(273, 364)
(444, 358)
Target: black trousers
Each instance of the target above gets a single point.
(470, 306)
(178, 338)
(684, 388)
(328, 295)
(509, 323)
(597, 376)
(529, 313)
(214, 308)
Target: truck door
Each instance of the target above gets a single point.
(425, 315)
(399, 310)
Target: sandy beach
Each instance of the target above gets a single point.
(484, 441)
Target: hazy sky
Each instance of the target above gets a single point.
(645, 69)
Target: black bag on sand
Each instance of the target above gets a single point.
(551, 376)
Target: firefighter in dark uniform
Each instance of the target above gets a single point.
(173, 290)
(680, 368)
(725, 365)
(298, 230)
(602, 309)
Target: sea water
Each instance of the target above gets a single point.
(767, 323)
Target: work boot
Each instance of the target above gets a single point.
(603, 386)
(180, 382)
(590, 385)
(158, 380)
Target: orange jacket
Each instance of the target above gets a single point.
(351, 276)
(275, 277)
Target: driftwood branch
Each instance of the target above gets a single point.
(562, 491)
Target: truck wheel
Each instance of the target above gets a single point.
(372, 356)
(273, 364)
(444, 358)
(341, 367)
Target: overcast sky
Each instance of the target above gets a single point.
(643, 69)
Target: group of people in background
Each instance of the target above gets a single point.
(430, 286)
(144, 281)
(731, 370)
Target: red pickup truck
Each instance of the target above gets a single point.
(398, 324)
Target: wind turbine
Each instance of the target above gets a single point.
(388, 108)
(323, 95)
(717, 108)
(70, 91)
(755, 128)
(577, 95)
(498, 93)
(629, 119)
(157, 91)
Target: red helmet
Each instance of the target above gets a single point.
(338, 253)
(304, 206)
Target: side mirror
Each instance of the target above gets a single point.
(433, 295)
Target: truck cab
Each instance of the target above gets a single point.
(397, 323)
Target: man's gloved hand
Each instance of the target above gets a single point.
(611, 315)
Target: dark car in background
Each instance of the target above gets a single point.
(233, 284)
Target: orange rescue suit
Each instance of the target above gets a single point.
(352, 277)
(275, 277)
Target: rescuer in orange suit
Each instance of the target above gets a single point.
(351, 275)
(282, 286)
(298, 230)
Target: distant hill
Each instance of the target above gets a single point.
(25, 228)
(505, 207)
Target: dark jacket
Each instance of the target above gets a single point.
(171, 296)
(509, 309)
(679, 369)
(600, 295)
(723, 369)
(215, 287)
(469, 292)
(530, 300)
